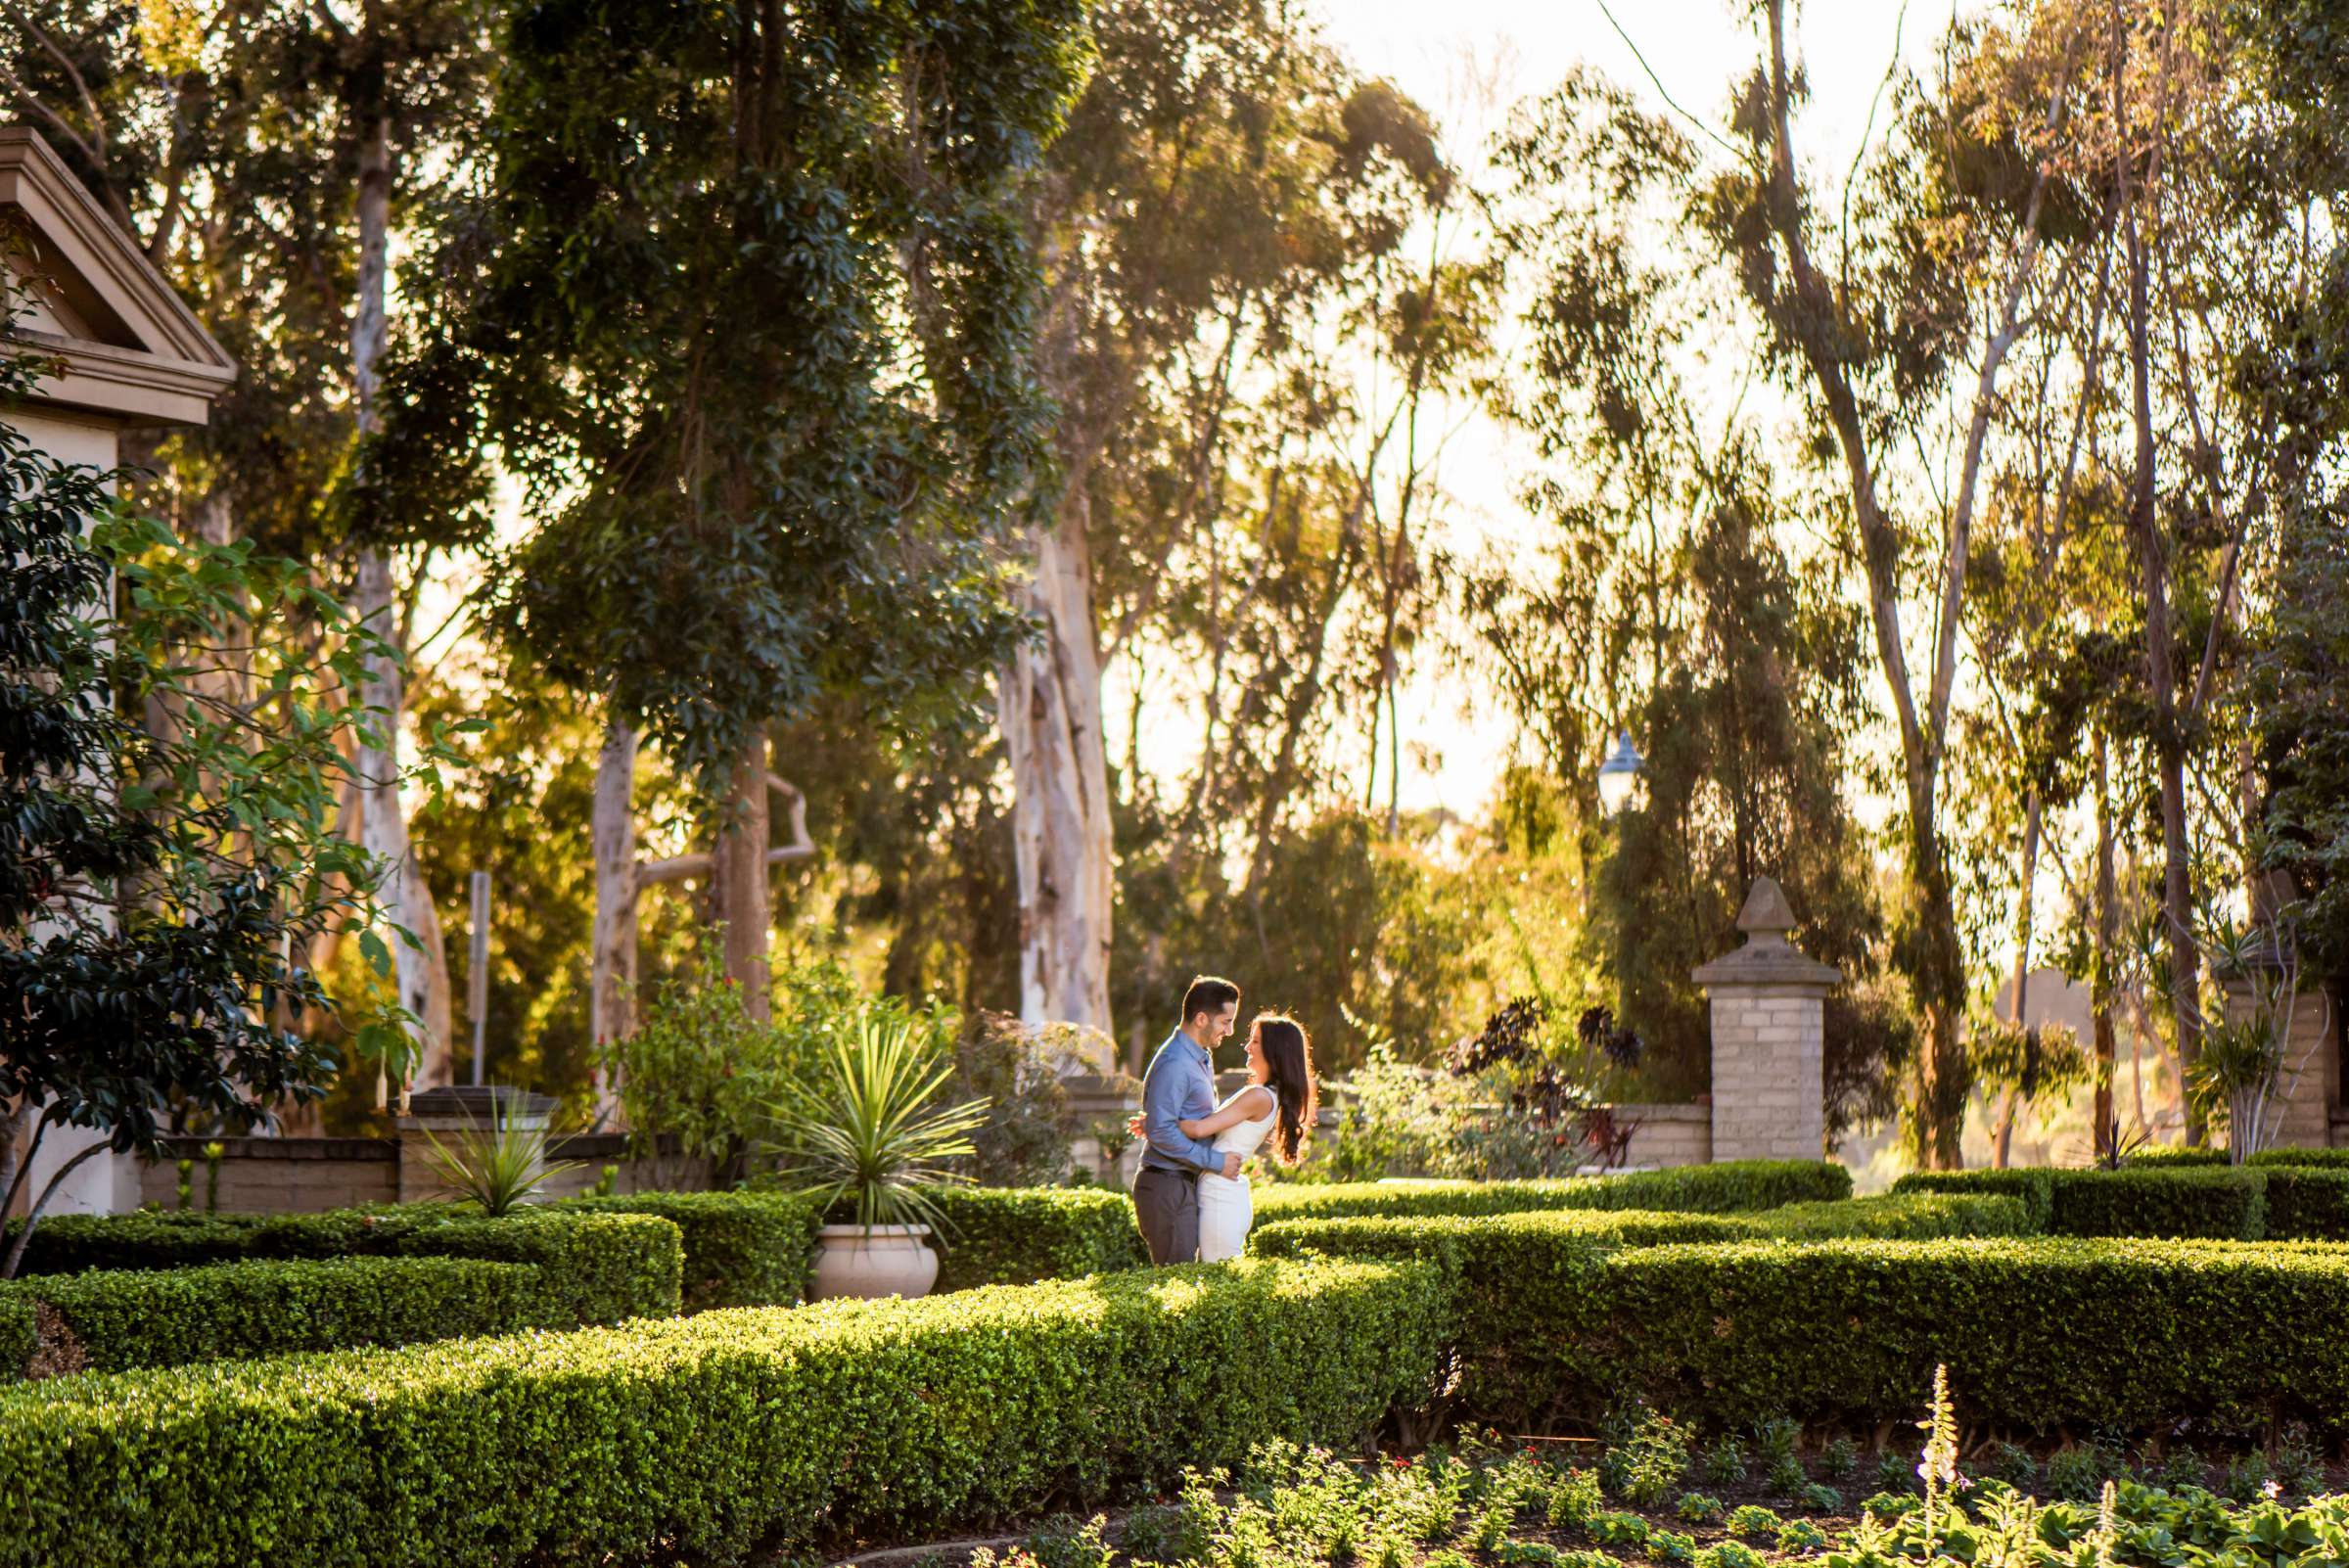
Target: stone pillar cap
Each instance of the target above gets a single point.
(1768, 958)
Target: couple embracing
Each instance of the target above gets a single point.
(1192, 1194)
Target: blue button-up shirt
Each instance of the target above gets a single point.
(1181, 1086)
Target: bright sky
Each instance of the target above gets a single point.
(1697, 49)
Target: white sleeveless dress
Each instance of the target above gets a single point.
(1226, 1209)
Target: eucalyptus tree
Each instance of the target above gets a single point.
(1225, 182)
(255, 147)
(745, 298)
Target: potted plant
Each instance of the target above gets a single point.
(868, 1138)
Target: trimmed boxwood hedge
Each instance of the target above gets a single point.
(121, 1318)
(2307, 1203)
(742, 1248)
(2038, 1333)
(2174, 1156)
(1728, 1187)
(1020, 1235)
(703, 1437)
(1531, 1286)
(2318, 1159)
(2225, 1203)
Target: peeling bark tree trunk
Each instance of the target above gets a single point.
(2169, 729)
(2012, 1106)
(1048, 702)
(612, 998)
(421, 967)
(738, 879)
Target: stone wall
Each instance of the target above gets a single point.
(309, 1175)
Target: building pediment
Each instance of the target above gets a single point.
(81, 293)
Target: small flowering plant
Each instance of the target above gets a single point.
(1938, 1469)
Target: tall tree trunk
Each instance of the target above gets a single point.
(2022, 970)
(1048, 703)
(2107, 938)
(738, 879)
(421, 966)
(612, 995)
(2169, 733)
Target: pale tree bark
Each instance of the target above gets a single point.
(2108, 941)
(1048, 702)
(621, 880)
(2012, 1105)
(612, 998)
(1815, 325)
(420, 966)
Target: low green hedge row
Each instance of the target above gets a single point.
(703, 1438)
(119, 1318)
(2320, 1159)
(2171, 1156)
(2267, 1201)
(1562, 1317)
(2038, 1333)
(742, 1248)
(1020, 1235)
(1529, 1285)
(1731, 1187)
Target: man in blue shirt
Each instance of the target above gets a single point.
(1181, 1086)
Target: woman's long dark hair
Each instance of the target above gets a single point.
(1289, 1068)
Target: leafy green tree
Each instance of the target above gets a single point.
(745, 506)
(153, 885)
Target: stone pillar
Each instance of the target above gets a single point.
(1100, 1102)
(2306, 1085)
(452, 1114)
(1768, 1038)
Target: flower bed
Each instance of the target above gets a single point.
(698, 1437)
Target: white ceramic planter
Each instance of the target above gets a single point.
(886, 1260)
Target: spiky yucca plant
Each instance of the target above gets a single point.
(866, 1133)
(500, 1167)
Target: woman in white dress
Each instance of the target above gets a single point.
(1278, 1100)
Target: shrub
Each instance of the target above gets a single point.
(2173, 1156)
(1753, 1522)
(1797, 1536)
(700, 1436)
(2307, 1203)
(1698, 1507)
(1904, 1215)
(124, 1319)
(2123, 1335)
(1731, 1187)
(2313, 1159)
(2035, 1186)
(1019, 1235)
(2226, 1204)
(742, 1248)
(603, 1268)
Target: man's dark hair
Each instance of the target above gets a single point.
(1208, 995)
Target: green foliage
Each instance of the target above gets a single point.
(712, 1434)
(1728, 1187)
(2188, 1200)
(154, 882)
(801, 503)
(1018, 1072)
(593, 1268)
(1016, 1236)
(1753, 1522)
(2318, 1159)
(500, 1167)
(2173, 1156)
(121, 1320)
(1697, 1507)
(1724, 1463)
(699, 1069)
(1839, 1460)
(866, 1137)
(1911, 1216)
(741, 1249)
(1800, 1536)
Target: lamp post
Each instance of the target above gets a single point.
(1619, 776)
